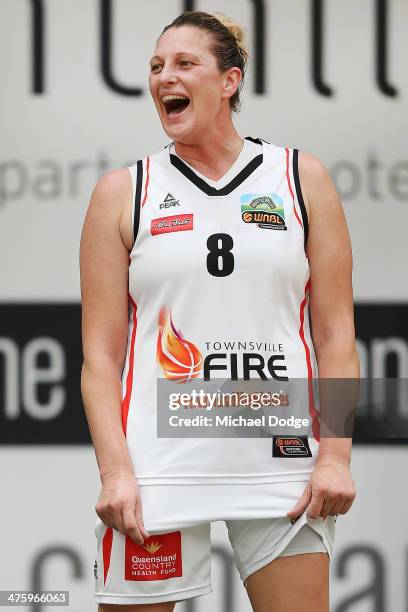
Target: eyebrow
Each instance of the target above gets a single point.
(157, 57)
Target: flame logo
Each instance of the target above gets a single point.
(180, 359)
(152, 547)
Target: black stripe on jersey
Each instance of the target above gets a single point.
(138, 199)
(256, 140)
(209, 189)
(299, 194)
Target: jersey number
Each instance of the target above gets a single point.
(220, 260)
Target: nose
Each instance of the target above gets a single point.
(168, 74)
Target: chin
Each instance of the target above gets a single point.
(180, 133)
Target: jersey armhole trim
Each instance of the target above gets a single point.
(138, 199)
(299, 194)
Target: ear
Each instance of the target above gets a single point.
(232, 79)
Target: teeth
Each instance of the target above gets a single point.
(175, 97)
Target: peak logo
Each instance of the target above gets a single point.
(169, 201)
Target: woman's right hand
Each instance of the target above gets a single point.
(120, 505)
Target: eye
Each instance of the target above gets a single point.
(154, 67)
(185, 62)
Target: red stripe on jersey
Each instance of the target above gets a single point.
(147, 180)
(312, 408)
(290, 188)
(129, 379)
(106, 551)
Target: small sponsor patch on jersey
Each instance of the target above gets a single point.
(158, 558)
(175, 223)
(264, 209)
(169, 201)
(290, 446)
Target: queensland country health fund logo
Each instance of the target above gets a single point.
(181, 360)
(158, 558)
(266, 210)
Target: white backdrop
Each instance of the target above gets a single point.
(78, 120)
(56, 143)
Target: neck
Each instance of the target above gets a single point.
(214, 154)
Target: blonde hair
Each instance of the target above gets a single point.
(237, 32)
(229, 43)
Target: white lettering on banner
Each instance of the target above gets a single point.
(9, 353)
(33, 375)
(373, 363)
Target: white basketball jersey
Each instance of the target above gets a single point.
(218, 287)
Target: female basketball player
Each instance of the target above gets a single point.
(208, 256)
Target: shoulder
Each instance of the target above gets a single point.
(112, 194)
(315, 181)
(328, 226)
(109, 204)
(112, 186)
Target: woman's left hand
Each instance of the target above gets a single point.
(330, 490)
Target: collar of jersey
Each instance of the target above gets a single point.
(178, 163)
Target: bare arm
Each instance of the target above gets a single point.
(104, 265)
(331, 292)
(330, 489)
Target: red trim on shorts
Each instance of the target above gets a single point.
(290, 188)
(106, 551)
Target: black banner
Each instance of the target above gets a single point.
(40, 368)
(41, 360)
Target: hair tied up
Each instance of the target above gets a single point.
(237, 32)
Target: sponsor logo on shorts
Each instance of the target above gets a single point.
(175, 223)
(290, 446)
(169, 201)
(96, 569)
(159, 558)
(266, 210)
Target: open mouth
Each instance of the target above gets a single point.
(175, 105)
